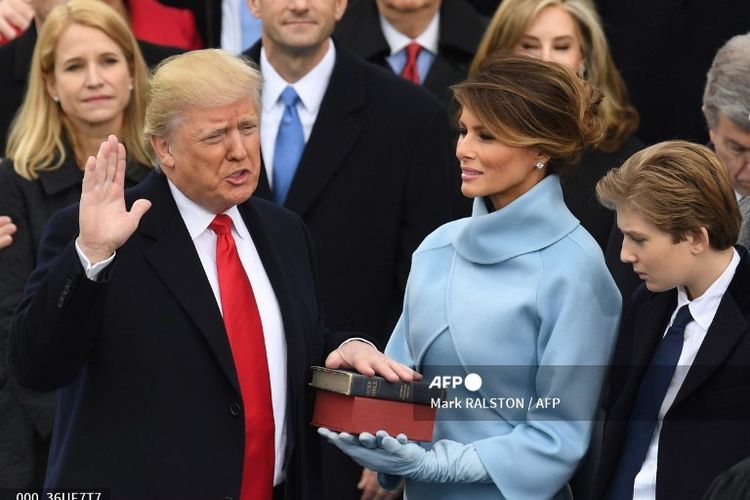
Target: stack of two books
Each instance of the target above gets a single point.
(347, 401)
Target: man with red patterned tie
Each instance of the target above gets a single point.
(179, 320)
(429, 42)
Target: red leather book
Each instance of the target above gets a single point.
(356, 414)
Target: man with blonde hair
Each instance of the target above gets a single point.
(178, 320)
(678, 403)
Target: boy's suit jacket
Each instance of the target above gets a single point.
(706, 429)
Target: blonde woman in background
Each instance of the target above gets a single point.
(569, 32)
(87, 80)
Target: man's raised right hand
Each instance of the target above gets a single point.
(105, 223)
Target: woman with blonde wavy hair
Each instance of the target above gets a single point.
(87, 80)
(570, 32)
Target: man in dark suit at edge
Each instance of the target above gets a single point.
(180, 333)
(374, 171)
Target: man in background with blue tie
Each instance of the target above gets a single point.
(678, 401)
(363, 156)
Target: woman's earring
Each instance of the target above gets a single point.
(539, 165)
(130, 87)
(56, 98)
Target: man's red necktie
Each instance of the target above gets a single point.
(245, 332)
(410, 69)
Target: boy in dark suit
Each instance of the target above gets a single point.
(678, 401)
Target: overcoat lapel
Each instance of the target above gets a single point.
(726, 330)
(176, 262)
(650, 322)
(334, 134)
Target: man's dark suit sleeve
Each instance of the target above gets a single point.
(53, 329)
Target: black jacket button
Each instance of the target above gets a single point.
(235, 408)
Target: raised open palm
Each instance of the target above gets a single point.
(105, 223)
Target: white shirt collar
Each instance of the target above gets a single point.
(703, 309)
(397, 41)
(198, 218)
(311, 88)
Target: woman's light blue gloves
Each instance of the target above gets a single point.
(447, 462)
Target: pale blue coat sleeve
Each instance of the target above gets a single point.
(579, 307)
(398, 344)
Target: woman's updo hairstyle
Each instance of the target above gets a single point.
(526, 102)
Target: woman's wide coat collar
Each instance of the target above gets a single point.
(535, 220)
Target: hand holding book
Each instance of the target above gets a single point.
(447, 462)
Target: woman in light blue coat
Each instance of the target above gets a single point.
(517, 294)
